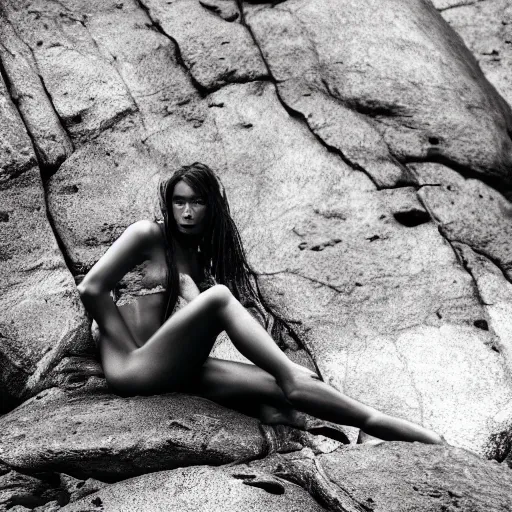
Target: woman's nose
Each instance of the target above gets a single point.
(186, 210)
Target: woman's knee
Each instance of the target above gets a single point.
(218, 296)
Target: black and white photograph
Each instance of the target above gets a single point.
(256, 255)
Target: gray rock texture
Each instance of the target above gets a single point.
(396, 476)
(486, 28)
(366, 151)
(201, 488)
(108, 437)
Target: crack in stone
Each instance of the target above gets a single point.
(296, 273)
(203, 92)
(495, 441)
(61, 122)
(460, 4)
(336, 489)
(8, 86)
(295, 113)
(460, 259)
(462, 169)
(45, 173)
(128, 90)
(480, 252)
(3, 73)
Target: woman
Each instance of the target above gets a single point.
(146, 350)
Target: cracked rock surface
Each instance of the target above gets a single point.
(366, 152)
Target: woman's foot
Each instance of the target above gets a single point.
(270, 415)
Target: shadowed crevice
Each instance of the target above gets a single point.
(30, 163)
(435, 157)
(45, 170)
(295, 113)
(203, 91)
(459, 4)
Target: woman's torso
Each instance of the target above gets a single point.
(141, 295)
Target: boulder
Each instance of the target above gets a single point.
(385, 83)
(325, 241)
(17, 489)
(396, 476)
(42, 318)
(51, 142)
(103, 436)
(366, 159)
(486, 28)
(96, 97)
(200, 488)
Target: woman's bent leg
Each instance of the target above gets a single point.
(182, 344)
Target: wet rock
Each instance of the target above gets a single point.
(200, 488)
(107, 437)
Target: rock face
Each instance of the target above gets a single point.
(201, 488)
(394, 476)
(111, 438)
(367, 157)
(486, 28)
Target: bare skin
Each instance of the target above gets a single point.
(140, 356)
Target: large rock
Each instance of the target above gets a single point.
(374, 85)
(329, 243)
(96, 97)
(215, 47)
(396, 476)
(51, 142)
(486, 27)
(42, 319)
(201, 488)
(311, 223)
(107, 437)
(358, 92)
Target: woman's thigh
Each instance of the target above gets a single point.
(170, 358)
(235, 383)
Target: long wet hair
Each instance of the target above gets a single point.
(220, 249)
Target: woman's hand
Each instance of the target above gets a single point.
(188, 288)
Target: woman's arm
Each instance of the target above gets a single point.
(130, 249)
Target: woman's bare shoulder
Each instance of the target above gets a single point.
(145, 230)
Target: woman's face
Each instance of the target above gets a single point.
(188, 209)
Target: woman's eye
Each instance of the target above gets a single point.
(200, 202)
(178, 202)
